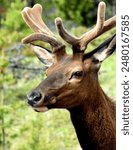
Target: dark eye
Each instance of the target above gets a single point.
(77, 74)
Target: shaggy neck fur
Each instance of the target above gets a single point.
(94, 122)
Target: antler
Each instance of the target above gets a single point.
(32, 17)
(80, 44)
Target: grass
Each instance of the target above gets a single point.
(107, 76)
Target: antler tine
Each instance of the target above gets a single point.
(100, 17)
(42, 37)
(101, 27)
(32, 17)
(63, 32)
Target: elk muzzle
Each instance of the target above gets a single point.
(40, 102)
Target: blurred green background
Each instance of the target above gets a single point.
(20, 71)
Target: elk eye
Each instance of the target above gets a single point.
(77, 74)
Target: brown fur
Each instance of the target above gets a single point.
(92, 112)
(96, 119)
(98, 124)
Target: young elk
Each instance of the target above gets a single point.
(72, 80)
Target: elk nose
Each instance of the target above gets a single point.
(34, 97)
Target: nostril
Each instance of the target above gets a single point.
(34, 96)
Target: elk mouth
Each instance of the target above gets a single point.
(41, 109)
(45, 107)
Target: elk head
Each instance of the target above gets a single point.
(70, 78)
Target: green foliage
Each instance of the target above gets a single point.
(13, 20)
(76, 10)
(12, 24)
(81, 12)
(5, 3)
(107, 76)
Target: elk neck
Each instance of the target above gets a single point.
(94, 121)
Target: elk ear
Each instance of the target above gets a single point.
(103, 51)
(44, 55)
